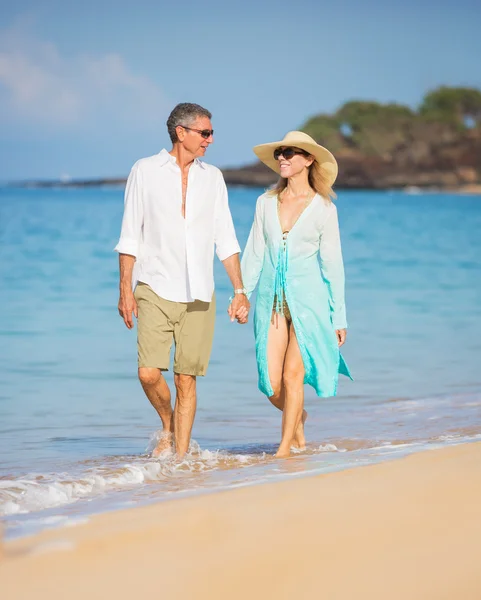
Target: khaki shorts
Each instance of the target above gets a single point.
(189, 324)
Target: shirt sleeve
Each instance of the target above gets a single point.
(253, 255)
(332, 268)
(224, 233)
(133, 219)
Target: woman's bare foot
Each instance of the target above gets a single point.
(299, 441)
(165, 443)
(282, 453)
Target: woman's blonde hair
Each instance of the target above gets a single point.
(317, 182)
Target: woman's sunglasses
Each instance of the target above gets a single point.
(288, 153)
(205, 133)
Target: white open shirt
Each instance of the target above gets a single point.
(175, 256)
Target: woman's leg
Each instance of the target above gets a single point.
(278, 340)
(293, 381)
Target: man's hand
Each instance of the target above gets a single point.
(127, 306)
(127, 303)
(239, 308)
(341, 336)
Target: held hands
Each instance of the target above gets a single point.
(341, 336)
(127, 306)
(239, 308)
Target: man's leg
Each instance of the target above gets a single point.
(184, 413)
(193, 335)
(157, 391)
(155, 331)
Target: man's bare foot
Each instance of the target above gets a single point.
(299, 441)
(165, 443)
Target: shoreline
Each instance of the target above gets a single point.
(119, 182)
(305, 465)
(404, 528)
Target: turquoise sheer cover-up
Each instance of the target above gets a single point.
(305, 266)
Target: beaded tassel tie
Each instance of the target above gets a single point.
(281, 270)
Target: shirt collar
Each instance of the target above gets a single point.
(165, 157)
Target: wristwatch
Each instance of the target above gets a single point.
(241, 291)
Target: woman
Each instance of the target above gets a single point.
(294, 253)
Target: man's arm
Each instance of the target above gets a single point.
(239, 307)
(128, 246)
(228, 249)
(127, 303)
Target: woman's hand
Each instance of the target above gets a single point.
(341, 336)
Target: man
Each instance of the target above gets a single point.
(176, 210)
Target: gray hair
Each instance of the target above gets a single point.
(184, 114)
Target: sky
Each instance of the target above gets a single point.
(86, 87)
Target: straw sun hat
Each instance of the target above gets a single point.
(298, 139)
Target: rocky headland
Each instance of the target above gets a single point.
(385, 146)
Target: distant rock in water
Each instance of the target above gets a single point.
(72, 183)
(255, 175)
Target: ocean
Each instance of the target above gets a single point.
(75, 426)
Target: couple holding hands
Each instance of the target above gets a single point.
(176, 213)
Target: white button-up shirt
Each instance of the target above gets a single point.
(175, 255)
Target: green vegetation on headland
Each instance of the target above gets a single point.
(383, 146)
(391, 146)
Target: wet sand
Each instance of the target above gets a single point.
(407, 529)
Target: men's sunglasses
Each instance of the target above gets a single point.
(205, 133)
(288, 153)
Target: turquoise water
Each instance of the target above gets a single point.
(75, 425)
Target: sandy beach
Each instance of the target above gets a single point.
(409, 528)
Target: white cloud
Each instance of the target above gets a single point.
(39, 84)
